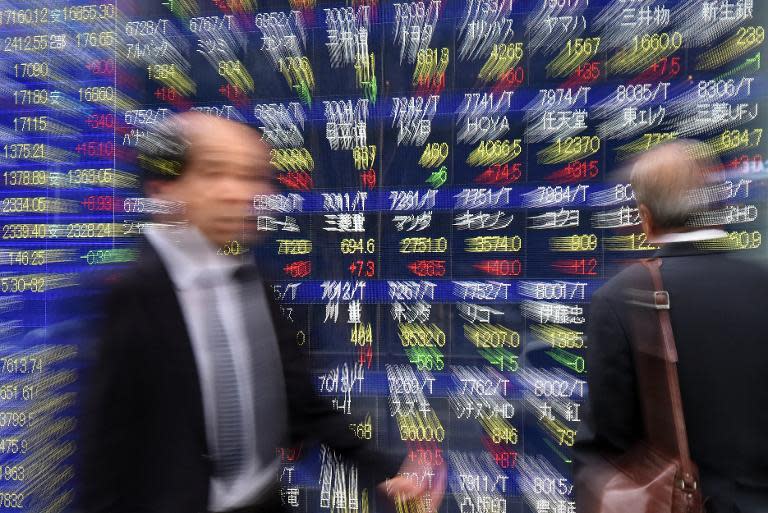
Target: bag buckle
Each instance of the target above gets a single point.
(688, 485)
(661, 300)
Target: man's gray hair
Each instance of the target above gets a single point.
(162, 151)
(671, 181)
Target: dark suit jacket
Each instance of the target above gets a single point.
(719, 313)
(143, 445)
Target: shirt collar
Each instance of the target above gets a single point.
(692, 236)
(190, 258)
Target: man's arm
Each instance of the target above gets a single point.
(613, 418)
(313, 418)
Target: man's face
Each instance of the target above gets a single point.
(227, 165)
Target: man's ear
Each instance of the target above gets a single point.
(647, 221)
(157, 189)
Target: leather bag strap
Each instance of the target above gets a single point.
(661, 303)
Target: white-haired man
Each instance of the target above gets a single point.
(719, 321)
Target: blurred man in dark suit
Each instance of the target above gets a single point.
(197, 378)
(719, 321)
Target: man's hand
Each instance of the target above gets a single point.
(413, 484)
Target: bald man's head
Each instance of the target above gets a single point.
(669, 183)
(212, 166)
(165, 150)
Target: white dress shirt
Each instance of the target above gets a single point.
(198, 272)
(691, 236)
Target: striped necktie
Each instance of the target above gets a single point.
(266, 365)
(229, 416)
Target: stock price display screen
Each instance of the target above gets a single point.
(452, 195)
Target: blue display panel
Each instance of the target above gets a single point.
(454, 192)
